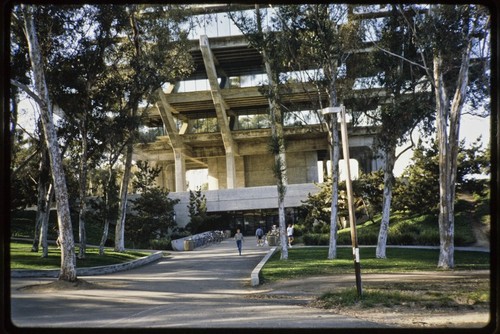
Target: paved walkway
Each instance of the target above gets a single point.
(205, 288)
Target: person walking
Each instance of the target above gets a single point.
(239, 239)
(259, 233)
(289, 232)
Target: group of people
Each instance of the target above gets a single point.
(259, 235)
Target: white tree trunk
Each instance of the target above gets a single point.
(334, 159)
(82, 234)
(448, 118)
(42, 191)
(44, 221)
(280, 161)
(390, 158)
(122, 215)
(68, 260)
(104, 237)
(445, 221)
(279, 140)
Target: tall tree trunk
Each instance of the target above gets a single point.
(43, 207)
(68, 260)
(333, 134)
(390, 159)
(44, 222)
(108, 207)
(278, 141)
(134, 99)
(83, 192)
(445, 221)
(104, 236)
(122, 215)
(448, 155)
(279, 160)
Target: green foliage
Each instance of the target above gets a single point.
(316, 209)
(164, 243)
(316, 239)
(418, 188)
(145, 176)
(152, 217)
(410, 230)
(197, 209)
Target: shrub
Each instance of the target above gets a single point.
(367, 236)
(298, 230)
(343, 237)
(161, 244)
(316, 239)
(429, 237)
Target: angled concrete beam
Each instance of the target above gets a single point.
(181, 150)
(221, 108)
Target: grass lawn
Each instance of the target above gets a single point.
(312, 261)
(21, 257)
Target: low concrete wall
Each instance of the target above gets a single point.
(101, 270)
(255, 275)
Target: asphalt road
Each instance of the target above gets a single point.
(205, 288)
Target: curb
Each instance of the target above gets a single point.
(91, 271)
(256, 271)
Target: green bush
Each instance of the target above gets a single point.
(317, 239)
(161, 244)
(298, 230)
(367, 236)
(429, 237)
(344, 237)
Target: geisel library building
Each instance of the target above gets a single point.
(216, 132)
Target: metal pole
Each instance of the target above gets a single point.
(350, 201)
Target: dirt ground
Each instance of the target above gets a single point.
(461, 313)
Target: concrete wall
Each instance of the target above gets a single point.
(259, 170)
(217, 176)
(243, 199)
(302, 167)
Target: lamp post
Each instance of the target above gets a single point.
(350, 197)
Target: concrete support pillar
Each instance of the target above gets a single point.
(230, 170)
(213, 174)
(180, 171)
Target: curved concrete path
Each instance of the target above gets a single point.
(205, 288)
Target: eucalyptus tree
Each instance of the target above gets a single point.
(151, 52)
(265, 38)
(454, 46)
(407, 102)
(20, 88)
(68, 259)
(78, 79)
(320, 39)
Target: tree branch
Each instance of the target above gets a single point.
(400, 57)
(408, 147)
(28, 91)
(24, 164)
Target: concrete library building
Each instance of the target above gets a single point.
(214, 132)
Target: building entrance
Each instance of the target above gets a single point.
(249, 220)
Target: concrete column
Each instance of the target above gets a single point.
(213, 174)
(180, 171)
(230, 170)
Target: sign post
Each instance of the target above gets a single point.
(350, 196)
